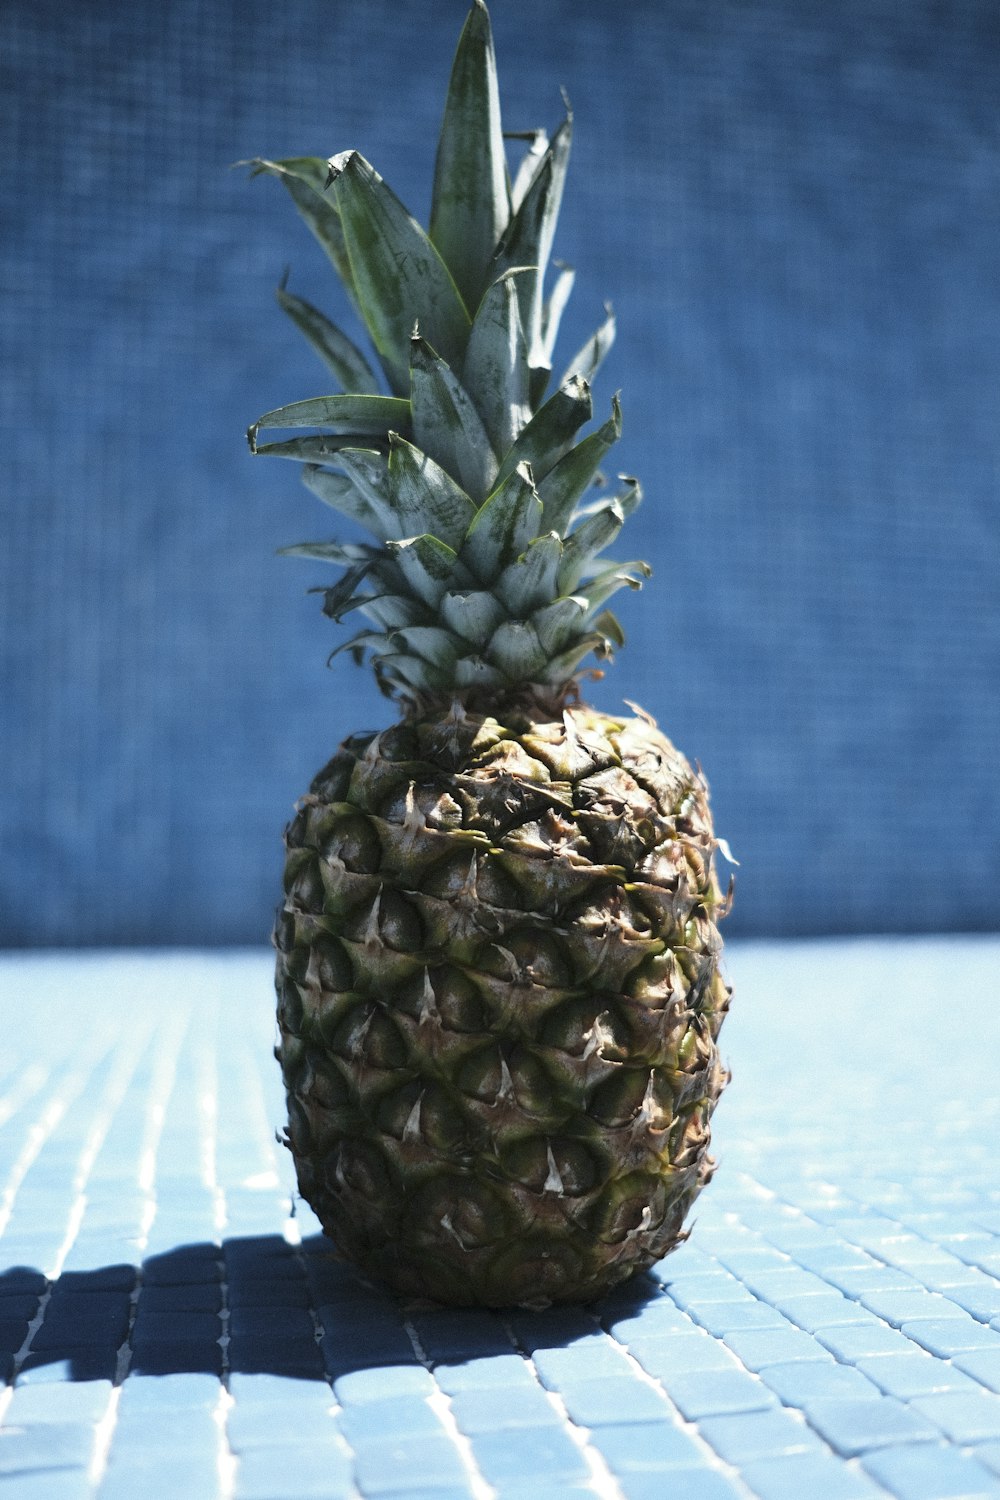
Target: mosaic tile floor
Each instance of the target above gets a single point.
(831, 1330)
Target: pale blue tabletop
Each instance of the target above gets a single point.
(172, 1326)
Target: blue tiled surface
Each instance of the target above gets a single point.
(171, 1330)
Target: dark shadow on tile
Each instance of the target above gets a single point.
(257, 1306)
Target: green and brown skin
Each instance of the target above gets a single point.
(499, 998)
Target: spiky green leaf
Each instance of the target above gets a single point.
(305, 178)
(530, 580)
(341, 357)
(399, 277)
(527, 240)
(324, 449)
(423, 497)
(503, 526)
(496, 361)
(562, 487)
(447, 425)
(429, 641)
(393, 610)
(517, 651)
(588, 359)
(427, 564)
(473, 614)
(551, 431)
(340, 414)
(610, 580)
(538, 141)
(470, 203)
(629, 499)
(588, 540)
(559, 621)
(342, 494)
(554, 308)
(473, 672)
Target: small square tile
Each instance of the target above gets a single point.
(321, 1471)
(916, 1374)
(898, 1308)
(426, 1461)
(484, 1374)
(381, 1382)
(612, 1401)
(982, 1365)
(760, 1434)
(538, 1454)
(692, 1484)
(664, 1357)
(964, 1416)
(931, 1472)
(650, 1447)
(814, 1312)
(946, 1337)
(500, 1409)
(797, 1475)
(720, 1318)
(713, 1393)
(859, 1340)
(854, 1426)
(804, 1381)
(759, 1347)
(590, 1360)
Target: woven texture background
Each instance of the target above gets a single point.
(795, 208)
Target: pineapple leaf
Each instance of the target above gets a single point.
(527, 240)
(551, 431)
(331, 552)
(423, 497)
(629, 499)
(559, 621)
(471, 202)
(435, 645)
(589, 538)
(530, 580)
(427, 564)
(563, 666)
(305, 178)
(343, 494)
(474, 615)
(496, 361)
(554, 309)
(566, 481)
(398, 274)
(446, 424)
(517, 651)
(587, 361)
(609, 627)
(316, 450)
(474, 672)
(503, 526)
(345, 362)
(340, 414)
(538, 141)
(610, 580)
(393, 610)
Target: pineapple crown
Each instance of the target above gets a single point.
(486, 579)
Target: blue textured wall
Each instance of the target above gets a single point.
(795, 207)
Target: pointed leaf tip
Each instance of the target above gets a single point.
(338, 165)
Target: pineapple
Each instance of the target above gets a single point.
(497, 959)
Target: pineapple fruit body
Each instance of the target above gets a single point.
(499, 997)
(498, 964)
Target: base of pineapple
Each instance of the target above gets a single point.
(499, 998)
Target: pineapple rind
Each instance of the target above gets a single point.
(499, 997)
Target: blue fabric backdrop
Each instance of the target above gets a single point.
(795, 207)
